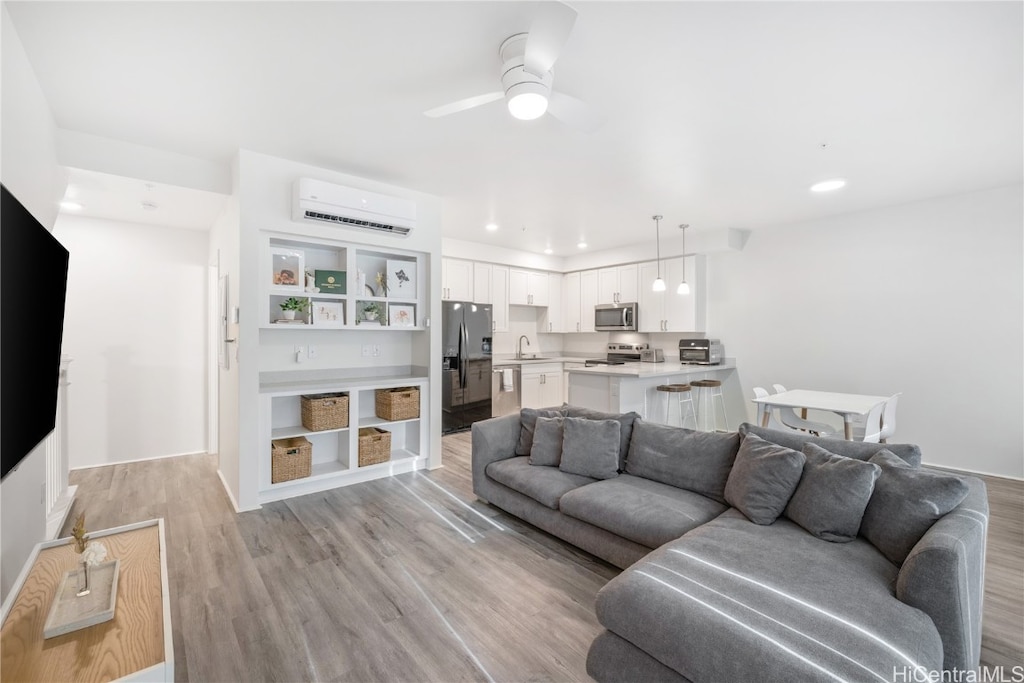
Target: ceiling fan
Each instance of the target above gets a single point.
(526, 76)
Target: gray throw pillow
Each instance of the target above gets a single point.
(859, 450)
(528, 421)
(829, 501)
(625, 421)
(547, 442)
(905, 504)
(695, 461)
(590, 447)
(763, 478)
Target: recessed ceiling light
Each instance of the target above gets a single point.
(71, 206)
(549, 250)
(491, 227)
(828, 185)
(581, 244)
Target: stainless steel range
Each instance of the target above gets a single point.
(620, 354)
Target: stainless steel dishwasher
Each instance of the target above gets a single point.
(506, 389)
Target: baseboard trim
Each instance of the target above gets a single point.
(227, 490)
(947, 468)
(59, 514)
(123, 462)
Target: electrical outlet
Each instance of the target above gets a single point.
(300, 353)
(376, 350)
(311, 353)
(367, 350)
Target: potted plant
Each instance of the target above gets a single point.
(372, 311)
(293, 305)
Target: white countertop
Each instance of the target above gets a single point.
(644, 370)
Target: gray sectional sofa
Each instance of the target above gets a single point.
(752, 555)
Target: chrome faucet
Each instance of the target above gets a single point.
(519, 346)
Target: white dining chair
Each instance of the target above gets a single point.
(794, 421)
(872, 429)
(761, 392)
(888, 421)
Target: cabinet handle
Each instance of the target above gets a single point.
(494, 326)
(549, 327)
(577, 327)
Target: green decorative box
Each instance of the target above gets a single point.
(330, 281)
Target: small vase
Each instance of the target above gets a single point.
(83, 582)
(289, 315)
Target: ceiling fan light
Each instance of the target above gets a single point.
(658, 286)
(527, 106)
(683, 288)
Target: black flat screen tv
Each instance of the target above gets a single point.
(33, 285)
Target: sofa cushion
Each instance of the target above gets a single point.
(858, 450)
(686, 459)
(544, 484)
(625, 421)
(644, 511)
(528, 423)
(733, 601)
(830, 499)
(547, 442)
(763, 478)
(905, 504)
(590, 447)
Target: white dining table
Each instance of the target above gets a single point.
(847, 405)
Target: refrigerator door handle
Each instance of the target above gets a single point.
(464, 355)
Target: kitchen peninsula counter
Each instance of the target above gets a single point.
(633, 387)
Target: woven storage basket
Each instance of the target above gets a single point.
(374, 446)
(398, 404)
(324, 411)
(290, 459)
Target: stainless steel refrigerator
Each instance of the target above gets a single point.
(466, 345)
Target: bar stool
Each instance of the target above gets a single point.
(707, 391)
(683, 395)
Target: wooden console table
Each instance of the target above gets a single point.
(135, 646)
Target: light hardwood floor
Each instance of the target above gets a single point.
(405, 579)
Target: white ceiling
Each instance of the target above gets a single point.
(716, 111)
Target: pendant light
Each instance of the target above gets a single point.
(683, 287)
(659, 284)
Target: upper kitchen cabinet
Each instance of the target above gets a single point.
(617, 285)
(571, 302)
(668, 311)
(588, 299)
(456, 280)
(553, 319)
(490, 286)
(527, 288)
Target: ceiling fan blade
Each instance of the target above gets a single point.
(463, 105)
(548, 33)
(574, 112)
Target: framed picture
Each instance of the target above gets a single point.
(401, 316)
(287, 269)
(401, 279)
(328, 313)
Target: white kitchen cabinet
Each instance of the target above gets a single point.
(541, 385)
(667, 311)
(527, 288)
(588, 299)
(617, 285)
(499, 298)
(571, 302)
(456, 280)
(553, 320)
(482, 274)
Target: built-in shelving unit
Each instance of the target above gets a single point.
(373, 288)
(335, 459)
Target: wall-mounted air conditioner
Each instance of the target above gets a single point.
(316, 200)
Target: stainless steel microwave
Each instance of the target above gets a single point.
(615, 317)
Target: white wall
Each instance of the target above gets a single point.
(28, 161)
(925, 299)
(136, 327)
